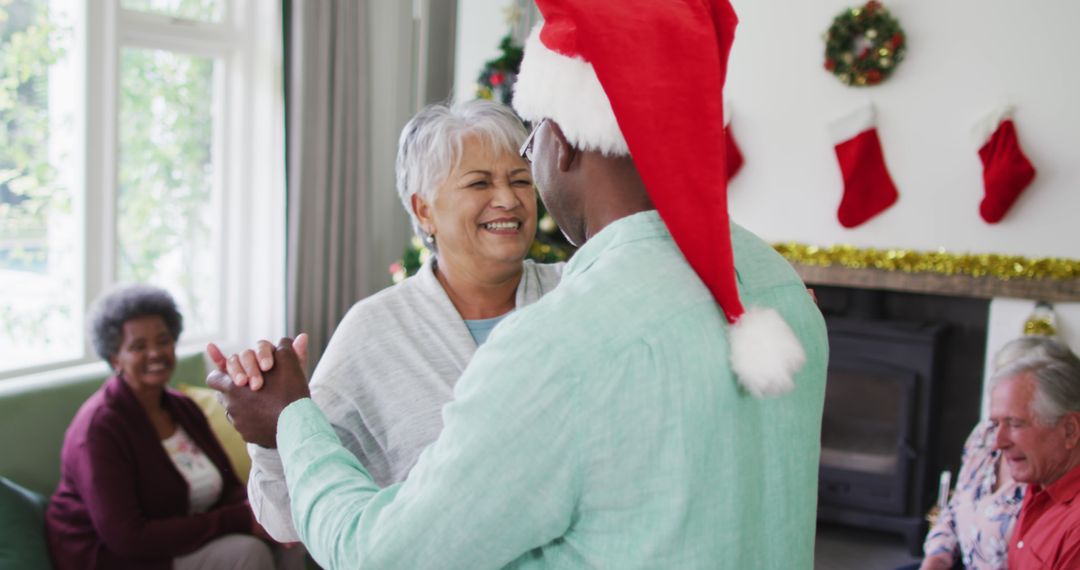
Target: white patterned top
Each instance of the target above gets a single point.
(203, 479)
(977, 524)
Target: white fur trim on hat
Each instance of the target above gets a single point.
(765, 353)
(565, 89)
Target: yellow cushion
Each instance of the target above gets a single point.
(230, 439)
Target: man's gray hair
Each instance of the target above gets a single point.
(123, 303)
(1054, 367)
(1026, 347)
(430, 146)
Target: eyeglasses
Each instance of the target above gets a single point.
(527, 146)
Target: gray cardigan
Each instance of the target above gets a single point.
(383, 380)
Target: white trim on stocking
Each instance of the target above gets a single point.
(989, 123)
(846, 127)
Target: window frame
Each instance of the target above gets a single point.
(248, 132)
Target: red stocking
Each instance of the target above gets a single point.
(1006, 171)
(868, 189)
(734, 155)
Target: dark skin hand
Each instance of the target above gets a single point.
(255, 414)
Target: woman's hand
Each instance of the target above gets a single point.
(247, 367)
(937, 562)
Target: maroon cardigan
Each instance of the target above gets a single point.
(121, 502)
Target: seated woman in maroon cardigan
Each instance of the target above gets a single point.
(144, 483)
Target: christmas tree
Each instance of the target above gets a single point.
(496, 81)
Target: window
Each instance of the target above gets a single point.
(130, 128)
(204, 10)
(39, 259)
(165, 231)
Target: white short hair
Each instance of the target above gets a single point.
(430, 146)
(1056, 371)
(1026, 347)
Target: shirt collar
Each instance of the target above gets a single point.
(642, 225)
(1065, 489)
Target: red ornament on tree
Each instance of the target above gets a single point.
(497, 78)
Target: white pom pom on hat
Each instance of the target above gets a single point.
(765, 353)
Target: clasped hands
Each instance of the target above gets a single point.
(255, 386)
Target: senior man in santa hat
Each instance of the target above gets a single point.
(636, 417)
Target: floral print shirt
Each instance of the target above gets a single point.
(203, 479)
(978, 521)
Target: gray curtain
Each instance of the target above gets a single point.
(326, 79)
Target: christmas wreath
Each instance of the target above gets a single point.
(864, 45)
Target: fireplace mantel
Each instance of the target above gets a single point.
(1053, 290)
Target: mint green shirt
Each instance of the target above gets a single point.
(600, 427)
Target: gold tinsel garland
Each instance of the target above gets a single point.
(1003, 267)
(1041, 321)
(1040, 327)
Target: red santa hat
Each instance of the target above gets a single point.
(645, 78)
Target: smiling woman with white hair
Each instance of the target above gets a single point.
(393, 361)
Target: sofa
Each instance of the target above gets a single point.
(33, 419)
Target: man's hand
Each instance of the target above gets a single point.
(255, 414)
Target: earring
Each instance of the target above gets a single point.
(430, 239)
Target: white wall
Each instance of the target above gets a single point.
(1007, 318)
(964, 57)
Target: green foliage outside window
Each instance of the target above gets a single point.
(30, 42)
(165, 175)
(28, 46)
